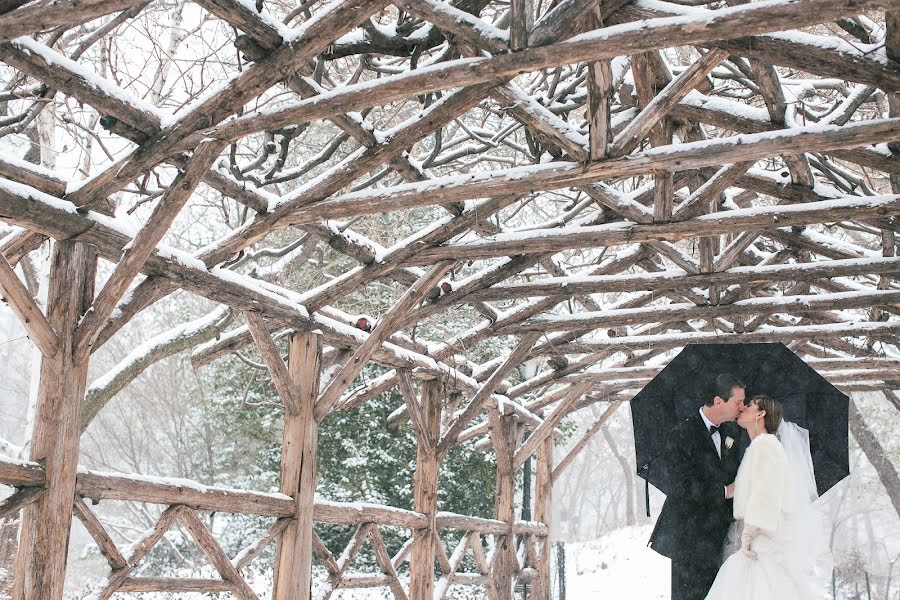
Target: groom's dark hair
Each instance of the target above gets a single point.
(722, 386)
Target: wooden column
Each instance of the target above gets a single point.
(293, 562)
(543, 497)
(44, 536)
(421, 564)
(599, 94)
(504, 438)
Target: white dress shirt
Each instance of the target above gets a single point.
(716, 437)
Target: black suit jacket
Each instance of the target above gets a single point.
(696, 516)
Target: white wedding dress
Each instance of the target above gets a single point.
(774, 491)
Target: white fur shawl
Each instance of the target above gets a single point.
(761, 484)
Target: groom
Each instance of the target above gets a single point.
(702, 457)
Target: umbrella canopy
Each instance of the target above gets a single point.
(772, 369)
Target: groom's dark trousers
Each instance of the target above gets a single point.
(694, 520)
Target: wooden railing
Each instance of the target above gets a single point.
(184, 499)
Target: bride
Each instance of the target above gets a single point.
(783, 547)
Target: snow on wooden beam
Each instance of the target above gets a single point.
(849, 329)
(386, 326)
(675, 279)
(464, 26)
(54, 69)
(826, 57)
(57, 218)
(561, 20)
(336, 19)
(19, 473)
(639, 128)
(26, 309)
(763, 218)
(32, 175)
(48, 14)
(686, 312)
(521, 180)
(245, 18)
(136, 253)
(629, 38)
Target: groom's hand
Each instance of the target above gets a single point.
(729, 491)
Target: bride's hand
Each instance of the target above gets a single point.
(747, 537)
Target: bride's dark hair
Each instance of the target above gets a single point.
(774, 411)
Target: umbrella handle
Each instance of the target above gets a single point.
(647, 496)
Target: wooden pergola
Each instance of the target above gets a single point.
(750, 195)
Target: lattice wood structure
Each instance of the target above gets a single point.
(745, 193)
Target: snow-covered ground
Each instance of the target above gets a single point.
(618, 565)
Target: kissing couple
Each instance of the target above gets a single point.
(758, 496)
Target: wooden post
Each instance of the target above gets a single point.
(293, 563)
(504, 437)
(543, 495)
(421, 564)
(44, 537)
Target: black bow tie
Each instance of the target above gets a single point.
(712, 430)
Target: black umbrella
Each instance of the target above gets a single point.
(772, 369)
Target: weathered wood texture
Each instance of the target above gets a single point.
(425, 493)
(44, 535)
(293, 566)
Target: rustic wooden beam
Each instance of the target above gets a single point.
(683, 157)
(549, 425)
(464, 26)
(780, 334)
(844, 62)
(175, 584)
(639, 128)
(213, 551)
(251, 552)
(876, 454)
(677, 279)
(798, 304)
(245, 18)
(17, 473)
(281, 379)
(386, 326)
(629, 38)
(543, 513)
(144, 243)
(562, 19)
(461, 421)
(708, 193)
(518, 25)
(112, 582)
(181, 135)
(48, 14)
(17, 296)
(93, 525)
(413, 408)
(504, 437)
(293, 558)
(44, 534)
(64, 74)
(583, 441)
(59, 219)
(119, 486)
(18, 500)
(425, 494)
(32, 175)
(764, 218)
